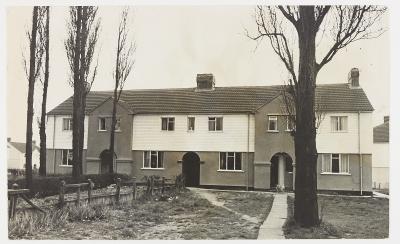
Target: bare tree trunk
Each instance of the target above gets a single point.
(77, 100)
(306, 204)
(42, 129)
(31, 87)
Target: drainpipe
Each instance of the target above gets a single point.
(248, 150)
(54, 139)
(359, 154)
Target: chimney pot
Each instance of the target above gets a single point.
(354, 76)
(386, 119)
(205, 81)
(8, 139)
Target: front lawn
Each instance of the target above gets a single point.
(186, 217)
(344, 217)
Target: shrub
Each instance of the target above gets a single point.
(49, 185)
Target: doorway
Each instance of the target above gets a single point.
(191, 169)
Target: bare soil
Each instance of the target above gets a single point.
(344, 217)
(187, 216)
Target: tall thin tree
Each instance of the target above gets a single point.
(338, 25)
(35, 38)
(83, 32)
(123, 65)
(42, 124)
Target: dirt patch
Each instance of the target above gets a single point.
(186, 217)
(344, 217)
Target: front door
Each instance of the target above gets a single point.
(106, 162)
(274, 171)
(191, 169)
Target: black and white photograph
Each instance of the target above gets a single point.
(199, 121)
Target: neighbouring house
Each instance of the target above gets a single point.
(237, 137)
(16, 155)
(380, 155)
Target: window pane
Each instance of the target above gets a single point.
(326, 163)
(64, 157)
(272, 125)
(238, 161)
(222, 160)
(164, 123)
(160, 159)
(344, 123)
(118, 124)
(211, 124)
(191, 123)
(335, 163)
(171, 123)
(231, 161)
(219, 124)
(69, 157)
(334, 123)
(146, 159)
(344, 163)
(153, 159)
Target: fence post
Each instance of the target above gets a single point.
(148, 186)
(162, 185)
(78, 195)
(14, 200)
(90, 190)
(151, 186)
(134, 188)
(118, 194)
(61, 195)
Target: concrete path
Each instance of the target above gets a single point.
(212, 198)
(272, 226)
(380, 195)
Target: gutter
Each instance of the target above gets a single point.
(360, 155)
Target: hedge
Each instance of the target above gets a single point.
(49, 185)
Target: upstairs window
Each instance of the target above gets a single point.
(67, 123)
(230, 161)
(168, 123)
(215, 123)
(66, 157)
(102, 124)
(117, 124)
(335, 163)
(290, 123)
(153, 160)
(272, 123)
(191, 123)
(339, 123)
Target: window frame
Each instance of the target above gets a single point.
(168, 118)
(188, 123)
(159, 161)
(69, 124)
(69, 154)
(339, 123)
(270, 119)
(226, 169)
(98, 124)
(343, 163)
(215, 120)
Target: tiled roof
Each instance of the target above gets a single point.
(381, 133)
(240, 99)
(20, 146)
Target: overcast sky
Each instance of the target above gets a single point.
(173, 45)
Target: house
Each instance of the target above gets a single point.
(16, 155)
(380, 155)
(219, 136)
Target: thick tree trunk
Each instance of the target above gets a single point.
(306, 204)
(42, 130)
(77, 100)
(31, 87)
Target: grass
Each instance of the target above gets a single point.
(185, 216)
(344, 217)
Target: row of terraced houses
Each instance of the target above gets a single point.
(236, 137)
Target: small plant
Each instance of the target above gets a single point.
(280, 188)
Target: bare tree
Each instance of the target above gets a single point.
(123, 65)
(83, 32)
(35, 38)
(42, 124)
(340, 26)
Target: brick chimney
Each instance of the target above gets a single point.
(385, 119)
(353, 78)
(205, 81)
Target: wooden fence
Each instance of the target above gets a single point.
(154, 186)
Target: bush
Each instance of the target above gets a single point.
(49, 185)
